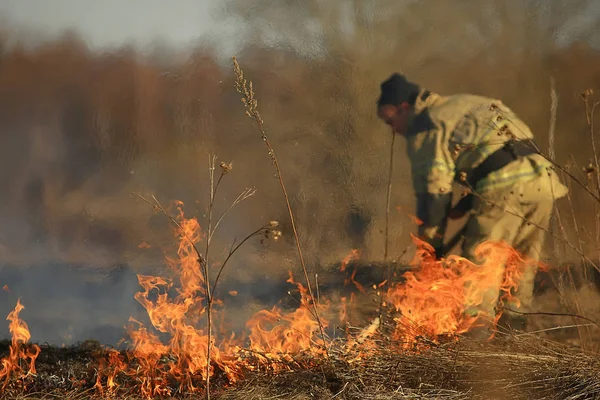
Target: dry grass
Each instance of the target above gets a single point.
(516, 367)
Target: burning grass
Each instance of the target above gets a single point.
(517, 367)
(414, 349)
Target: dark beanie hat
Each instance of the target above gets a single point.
(396, 90)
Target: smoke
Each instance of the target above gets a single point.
(82, 130)
(65, 304)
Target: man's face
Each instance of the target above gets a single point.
(397, 117)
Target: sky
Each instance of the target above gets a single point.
(108, 23)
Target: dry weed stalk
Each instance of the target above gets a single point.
(556, 221)
(251, 104)
(553, 314)
(203, 260)
(593, 169)
(387, 227)
(389, 197)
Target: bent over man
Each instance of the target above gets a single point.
(482, 144)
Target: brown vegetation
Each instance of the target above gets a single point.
(81, 130)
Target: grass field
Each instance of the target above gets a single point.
(113, 206)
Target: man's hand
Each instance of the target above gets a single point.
(439, 252)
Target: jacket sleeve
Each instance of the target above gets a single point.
(433, 174)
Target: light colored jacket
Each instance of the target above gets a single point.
(448, 137)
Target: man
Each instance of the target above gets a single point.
(481, 144)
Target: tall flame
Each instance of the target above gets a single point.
(454, 295)
(182, 317)
(11, 365)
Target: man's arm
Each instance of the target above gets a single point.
(433, 170)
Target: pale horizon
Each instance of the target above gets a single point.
(183, 23)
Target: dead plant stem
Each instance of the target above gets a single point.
(230, 254)
(389, 198)
(241, 197)
(203, 260)
(158, 207)
(552, 314)
(387, 226)
(205, 266)
(589, 114)
(583, 259)
(252, 111)
(555, 219)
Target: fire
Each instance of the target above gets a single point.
(110, 369)
(181, 348)
(183, 317)
(416, 220)
(451, 296)
(277, 335)
(11, 365)
(352, 256)
(274, 335)
(431, 302)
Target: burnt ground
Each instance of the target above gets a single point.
(516, 367)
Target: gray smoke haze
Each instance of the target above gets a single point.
(137, 97)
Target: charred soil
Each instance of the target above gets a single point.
(517, 367)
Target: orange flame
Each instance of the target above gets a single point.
(437, 298)
(353, 255)
(432, 301)
(451, 296)
(185, 356)
(416, 220)
(20, 334)
(277, 335)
